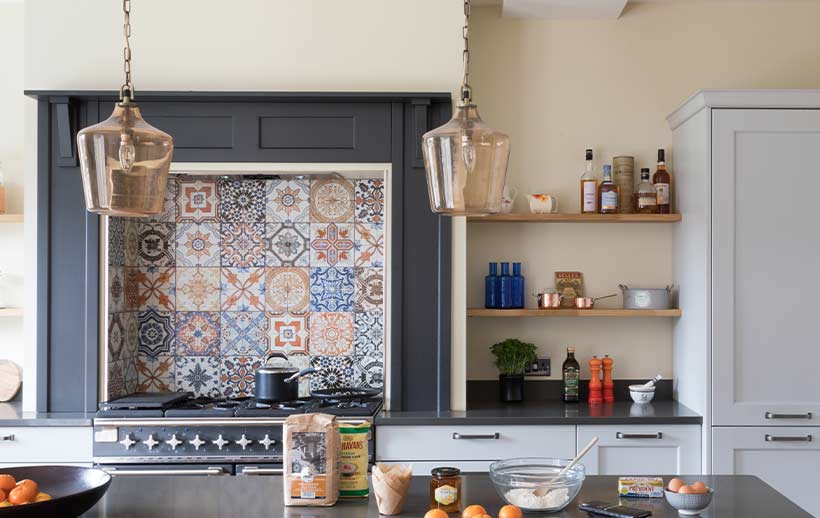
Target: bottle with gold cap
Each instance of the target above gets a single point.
(571, 377)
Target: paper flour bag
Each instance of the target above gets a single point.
(312, 451)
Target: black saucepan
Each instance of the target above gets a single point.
(74, 490)
(279, 383)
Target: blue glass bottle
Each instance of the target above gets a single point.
(517, 287)
(491, 289)
(505, 285)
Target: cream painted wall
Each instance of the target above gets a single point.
(559, 87)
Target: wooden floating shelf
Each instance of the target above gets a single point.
(577, 218)
(11, 312)
(620, 313)
(11, 218)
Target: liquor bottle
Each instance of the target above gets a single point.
(662, 181)
(505, 285)
(647, 195)
(491, 289)
(608, 193)
(623, 168)
(589, 187)
(517, 287)
(571, 377)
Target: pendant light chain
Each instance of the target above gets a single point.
(466, 89)
(127, 89)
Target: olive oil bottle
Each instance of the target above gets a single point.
(571, 377)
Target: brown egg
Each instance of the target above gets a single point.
(700, 488)
(7, 483)
(686, 490)
(675, 485)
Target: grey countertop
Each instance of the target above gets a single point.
(181, 497)
(620, 412)
(11, 414)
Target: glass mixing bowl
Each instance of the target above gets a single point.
(516, 479)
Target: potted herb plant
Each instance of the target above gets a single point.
(512, 357)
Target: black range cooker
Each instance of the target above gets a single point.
(179, 434)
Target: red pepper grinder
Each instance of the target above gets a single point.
(609, 385)
(595, 396)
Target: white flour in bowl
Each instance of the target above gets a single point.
(525, 498)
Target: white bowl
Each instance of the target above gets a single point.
(640, 394)
(689, 504)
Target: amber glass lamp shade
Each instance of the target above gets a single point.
(124, 163)
(466, 163)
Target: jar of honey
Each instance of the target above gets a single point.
(445, 489)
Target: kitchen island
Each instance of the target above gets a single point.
(736, 496)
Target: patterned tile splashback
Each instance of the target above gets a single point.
(235, 268)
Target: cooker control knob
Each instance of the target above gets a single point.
(244, 441)
(174, 442)
(151, 442)
(197, 442)
(220, 442)
(128, 441)
(267, 441)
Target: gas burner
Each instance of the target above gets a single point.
(299, 404)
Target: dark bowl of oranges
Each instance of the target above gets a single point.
(35, 491)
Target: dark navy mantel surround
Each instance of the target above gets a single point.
(245, 127)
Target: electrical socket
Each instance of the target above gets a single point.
(540, 367)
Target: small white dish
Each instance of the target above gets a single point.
(640, 394)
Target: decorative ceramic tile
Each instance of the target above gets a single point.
(197, 374)
(156, 244)
(337, 371)
(331, 289)
(331, 201)
(242, 201)
(155, 374)
(156, 288)
(116, 241)
(116, 379)
(130, 322)
(243, 289)
(116, 289)
(369, 289)
(132, 242)
(289, 334)
(368, 372)
(197, 244)
(197, 200)
(197, 289)
(244, 333)
(288, 201)
(237, 375)
(116, 337)
(331, 244)
(197, 333)
(331, 334)
(369, 201)
(302, 362)
(155, 332)
(288, 290)
(242, 244)
(369, 335)
(287, 244)
(169, 202)
(131, 295)
(131, 375)
(369, 245)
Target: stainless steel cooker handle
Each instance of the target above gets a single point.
(621, 435)
(459, 436)
(788, 438)
(770, 415)
(261, 471)
(7, 438)
(205, 472)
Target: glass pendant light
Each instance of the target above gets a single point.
(124, 161)
(466, 160)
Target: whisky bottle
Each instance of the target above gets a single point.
(571, 377)
(589, 187)
(608, 193)
(647, 195)
(662, 181)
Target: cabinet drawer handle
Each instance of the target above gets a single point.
(6, 438)
(458, 436)
(770, 415)
(621, 435)
(788, 438)
(261, 471)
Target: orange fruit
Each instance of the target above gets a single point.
(473, 511)
(686, 490)
(7, 482)
(435, 513)
(510, 511)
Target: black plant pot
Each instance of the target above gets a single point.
(512, 387)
